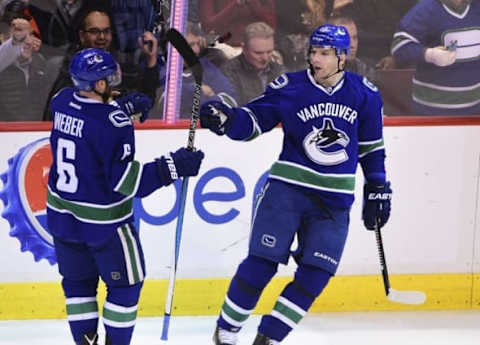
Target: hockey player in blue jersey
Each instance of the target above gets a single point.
(331, 119)
(92, 182)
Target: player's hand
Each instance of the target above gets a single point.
(182, 162)
(217, 116)
(440, 56)
(187, 162)
(376, 205)
(149, 46)
(135, 104)
(30, 44)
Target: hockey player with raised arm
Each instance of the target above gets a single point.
(331, 119)
(92, 182)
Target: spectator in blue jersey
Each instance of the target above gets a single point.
(441, 38)
(254, 68)
(215, 86)
(332, 120)
(94, 29)
(92, 182)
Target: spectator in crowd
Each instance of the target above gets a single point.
(51, 24)
(131, 19)
(215, 86)
(22, 73)
(376, 22)
(193, 11)
(354, 64)
(222, 16)
(94, 30)
(252, 70)
(437, 36)
(295, 20)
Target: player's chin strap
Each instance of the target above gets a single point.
(339, 70)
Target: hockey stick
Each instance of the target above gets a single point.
(184, 49)
(405, 297)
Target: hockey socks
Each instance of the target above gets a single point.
(120, 313)
(81, 307)
(252, 275)
(294, 302)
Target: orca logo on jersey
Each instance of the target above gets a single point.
(319, 139)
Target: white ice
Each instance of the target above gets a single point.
(371, 328)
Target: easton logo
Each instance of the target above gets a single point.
(379, 196)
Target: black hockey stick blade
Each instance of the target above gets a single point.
(184, 49)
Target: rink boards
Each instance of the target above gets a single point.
(431, 242)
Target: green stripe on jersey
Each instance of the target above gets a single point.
(445, 97)
(299, 175)
(91, 213)
(365, 148)
(130, 179)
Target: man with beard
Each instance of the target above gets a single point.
(92, 182)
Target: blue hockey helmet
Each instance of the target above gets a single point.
(334, 36)
(91, 65)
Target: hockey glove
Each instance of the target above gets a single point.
(177, 164)
(135, 104)
(376, 205)
(440, 56)
(216, 116)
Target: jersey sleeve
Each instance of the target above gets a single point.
(409, 41)
(117, 149)
(126, 175)
(263, 113)
(371, 148)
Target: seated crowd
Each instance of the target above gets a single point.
(412, 64)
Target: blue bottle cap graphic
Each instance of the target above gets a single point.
(24, 196)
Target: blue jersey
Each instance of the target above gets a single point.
(431, 24)
(94, 176)
(326, 132)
